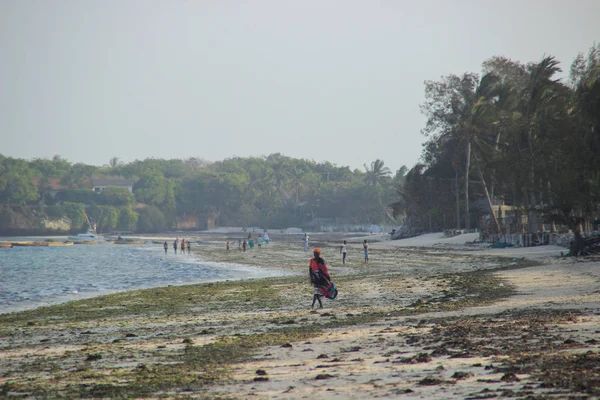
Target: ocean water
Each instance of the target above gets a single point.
(36, 276)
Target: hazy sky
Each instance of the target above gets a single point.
(326, 80)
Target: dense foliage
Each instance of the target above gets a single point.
(516, 135)
(271, 192)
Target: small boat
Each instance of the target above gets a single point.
(83, 237)
(86, 242)
(6, 245)
(59, 244)
(130, 242)
(30, 244)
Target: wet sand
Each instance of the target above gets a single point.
(436, 322)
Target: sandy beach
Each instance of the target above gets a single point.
(428, 318)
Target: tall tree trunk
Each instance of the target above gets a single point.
(457, 200)
(489, 200)
(493, 174)
(531, 224)
(467, 168)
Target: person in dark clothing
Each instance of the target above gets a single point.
(189, 246)
(166, 247)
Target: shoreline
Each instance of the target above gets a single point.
(424, 321)
(248, 272)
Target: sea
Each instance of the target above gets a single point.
(32, 277)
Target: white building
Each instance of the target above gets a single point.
(99, 184)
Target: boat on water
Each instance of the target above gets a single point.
(30, 244)
(129, 241)
(46, 243)
(83, 237)
(60, 244)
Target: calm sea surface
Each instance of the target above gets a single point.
(35, 276)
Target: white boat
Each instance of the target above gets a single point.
(83, 237)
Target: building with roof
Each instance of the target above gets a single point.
(99, 184)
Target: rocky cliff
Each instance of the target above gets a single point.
(29, 221)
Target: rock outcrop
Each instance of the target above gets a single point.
(29, 221)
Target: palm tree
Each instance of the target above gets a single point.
(297, 181)
(537, 95)
(377, 172)
(474, 107)
(114, 162)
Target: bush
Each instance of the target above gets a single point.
(127, 219)
(151, 219)
(84, 196)
(54, 211)
(76, 213)
(115, 196)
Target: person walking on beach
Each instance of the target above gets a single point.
(189, 246)
(319, 277)
(227, 247)
(366, 248)
(251, 243)
(260, 241)
(240, 246)
(244, 246)
(183, 246)
(305, 240)
(343, 252)
(166, 246)
(266, 237)
(175, 245)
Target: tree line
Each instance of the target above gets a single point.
(517, 134)
(273, 191)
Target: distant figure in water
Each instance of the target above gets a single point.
(260, 241)
(366, 248)
(266, 237)
(183, 246)
(305, 240)
(166, 247)
(244, 246)
(240, 246)
(175, 244)
(251, 243)
(227, 247)
(189, 246)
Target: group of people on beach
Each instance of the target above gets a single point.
(344, 251)
(319, 275)
(185, 244)
(242, 245)
(343, 248)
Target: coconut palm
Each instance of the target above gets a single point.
(537, 95)
(376, 173)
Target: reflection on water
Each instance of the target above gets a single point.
(34, 276)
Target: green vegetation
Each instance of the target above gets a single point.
(518, 134)
(272, 192)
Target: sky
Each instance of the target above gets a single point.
(338, 81)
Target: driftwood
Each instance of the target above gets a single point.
(406, 232)
(590, 245)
